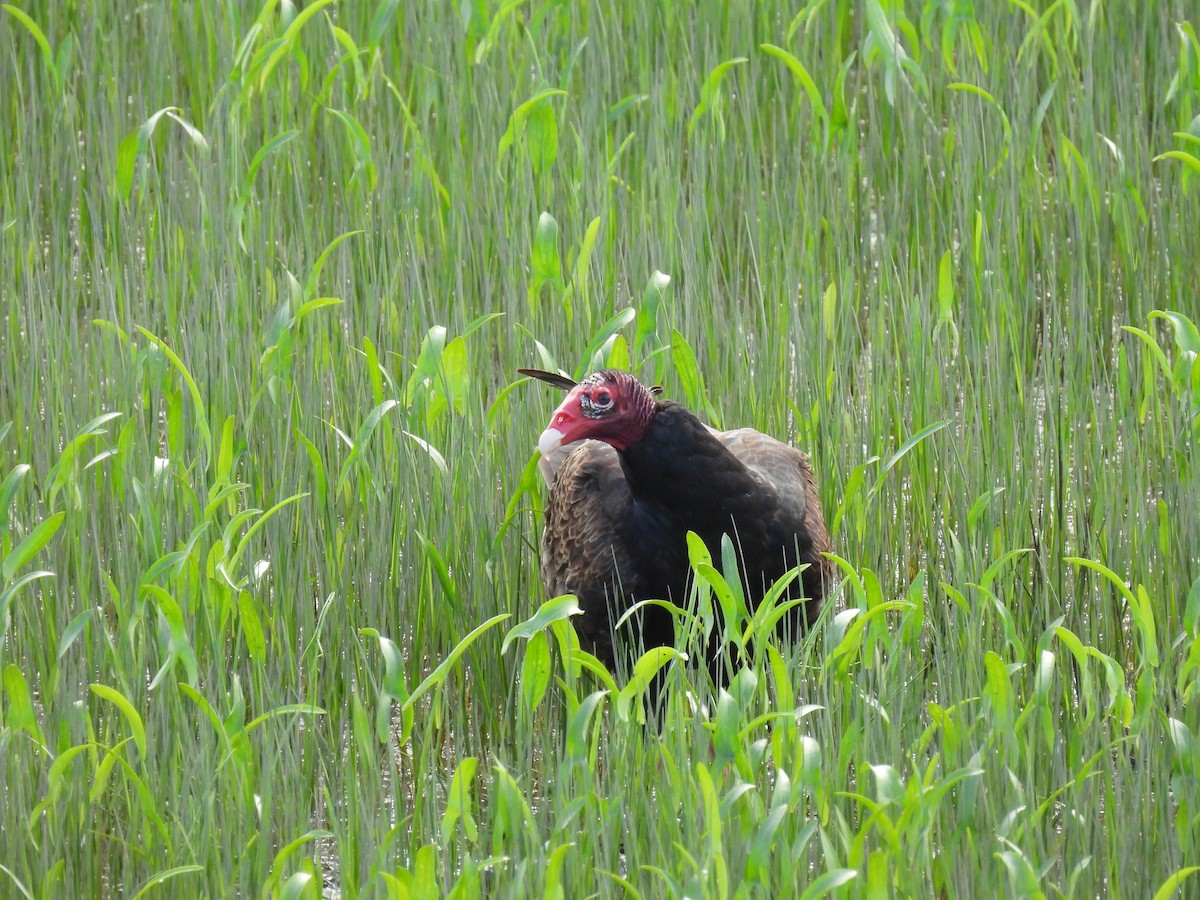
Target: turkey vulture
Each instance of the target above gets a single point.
(630, 475)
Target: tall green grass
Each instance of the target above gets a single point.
(268, 508)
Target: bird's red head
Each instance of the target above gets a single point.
(610, 406)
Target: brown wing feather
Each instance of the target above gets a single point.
(580, 553)
(789, 471)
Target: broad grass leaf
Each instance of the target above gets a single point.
(426, 368)
(993, 570)
(769, 610)
(245, 192)
(535, 671)
(1187, 753)
(711, 809)
(828, 883)
(393, 688)
(439, 674)
(554, 610)
(578, 727)
(493, 31)
(801, 75)
(1191, 615)
(546, 266)
(56, 779)
(1082, 668)
(441, 569)
(647, 315)
(1022, 877)
(132, 718)
(839, 113)
(615, 354)
(8, 490)
(258, 524)
(193, 390)
(1191, 162)
(1151, 342)
(1004, 122)
(904, 450)
(459, 802)
(729, 596)
(385, 12)
(711, 91)
(36, 33)
(847, 649)
(688, 371)
(455, 373)
(645, 670)
(518, 121)
(128, 153)
(363, 437)
(164, 875)
(19, 713)
(726, 728)
(829, 306)
(554, 888)
(1187, 337)
(999, 688)
(252, 629)
(296, 887)
(1171, 886)
(889, 786)
(545, 357)
(314, 274)
(541, 136)
(764, 839)
(74, 628)
(30, 546)
(981, 504)
(360, 142)
(179, 645)
(194, 134)
(624, 105)
(287, 709)
(583, 261)
(614, 324)
(288, 44)
(1139, 606)
(353, 55)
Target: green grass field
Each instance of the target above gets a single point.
(270, 615)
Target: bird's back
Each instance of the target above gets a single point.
(796, 516)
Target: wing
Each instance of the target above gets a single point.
(797, 509)
(549, 465)
(610, 549)
(584, 548)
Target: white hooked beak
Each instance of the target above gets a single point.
(550, 441)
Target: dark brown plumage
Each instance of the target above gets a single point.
(630, 475)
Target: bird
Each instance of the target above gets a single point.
(630, 473)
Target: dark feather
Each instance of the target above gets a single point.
(593, 546)
(616, 523)
(562, 382)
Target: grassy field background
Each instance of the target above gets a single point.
(268, 503)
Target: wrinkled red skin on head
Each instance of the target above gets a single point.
(584, 414)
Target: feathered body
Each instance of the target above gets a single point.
(631, 475)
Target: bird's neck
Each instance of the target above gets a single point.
(687, 477)
(681, 464)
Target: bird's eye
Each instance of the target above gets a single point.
(604, 398)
